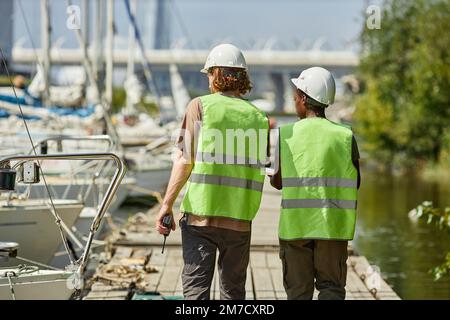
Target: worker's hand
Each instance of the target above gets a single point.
(165, 210)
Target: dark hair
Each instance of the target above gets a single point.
(230, 79)
(313, 105)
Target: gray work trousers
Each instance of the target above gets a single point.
(306, 260)
(199, 254)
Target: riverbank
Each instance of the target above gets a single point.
(404, 249)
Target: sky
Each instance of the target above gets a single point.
(199, 24)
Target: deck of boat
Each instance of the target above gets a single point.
(137, 264)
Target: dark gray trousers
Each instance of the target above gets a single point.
(199, 254)
(322, 260)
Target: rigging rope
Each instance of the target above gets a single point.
(11, 287)
(180, 20)
(58, 220)
(21, 269)
(27, 28)
(92, 78)
(37, 263)
(145, 63)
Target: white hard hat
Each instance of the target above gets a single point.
(225, 55)
(318, 83)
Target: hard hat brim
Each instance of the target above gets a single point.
(231, 67)
(294, 81)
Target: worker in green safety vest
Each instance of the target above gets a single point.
(318, 172)
(222, 156)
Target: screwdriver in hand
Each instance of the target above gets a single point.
(166, 222)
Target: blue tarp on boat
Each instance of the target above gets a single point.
(30, 101)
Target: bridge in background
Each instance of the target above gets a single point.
(273, 68)
(185, 57)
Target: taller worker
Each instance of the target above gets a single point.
(319, 176)
(225, 169)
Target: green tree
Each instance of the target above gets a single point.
(441, 218)
(404, 108)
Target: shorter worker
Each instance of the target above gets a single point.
(318, 172)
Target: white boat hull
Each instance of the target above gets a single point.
(38, 285)
(32, 225)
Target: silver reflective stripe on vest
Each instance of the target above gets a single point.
(318, 203)
(226, 181)
(319, 182)
(218, 158)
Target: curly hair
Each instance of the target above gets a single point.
(230, 79)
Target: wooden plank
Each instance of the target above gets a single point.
(354, 283)
(123, 252)
(100, 286)
(169, 279)
(100, 295)
(122, 295)
(277, 280)
(140, 261)
(215, 285)
(179, 286)
(174, 256)
(157, 259)
(273, 260)
(152, 281)
(263, 284)
(142, 252)
(249, 294)
(316, 295)
(361, 266)
(122, 257)
(389, 297)
(93, 295)
(175, 260)
(258, 259)
(88, 297)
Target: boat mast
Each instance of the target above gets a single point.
(97, 42)
(85, 27)
(109, 52)
(131, 51)
(104, 104)
(45, 49)
(144, 61)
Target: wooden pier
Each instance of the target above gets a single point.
(135, 263)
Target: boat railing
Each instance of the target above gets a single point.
(89, 167)
(8, 178)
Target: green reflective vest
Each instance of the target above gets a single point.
(228, 174)
(319, 181)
